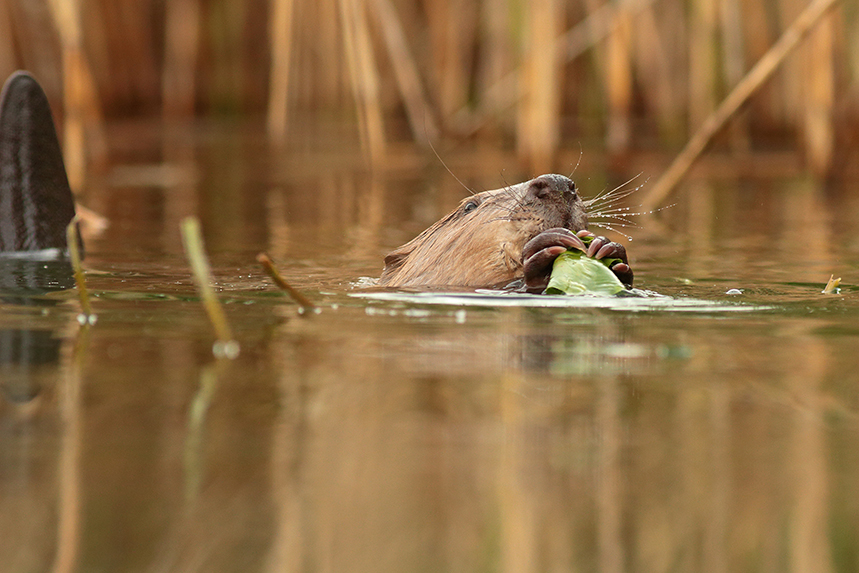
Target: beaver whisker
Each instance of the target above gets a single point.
(519, 205)
(619, 187)
(610, 200)
(618, 222)
(627, 212)
(613, 229)
(627, 225)
(611, 217)
(613, 209)
(512, 219)
(500, 200)
(578, 162)
(504, 219)
(508, 209)
(612, 214)
(518, 198)
(615, 194)
(610, 210)
(448, 169)
(508, 190)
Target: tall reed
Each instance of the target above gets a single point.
(630, 68)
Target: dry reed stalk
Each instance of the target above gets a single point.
(83, 123)
(181, 52)
(69, 465)
(538, 114)
(570, 45)
(702, 62)
(305, 306)
(787, 84)
(277, 222)
(193, 458)
(326, 74)
(339, 75)
(758, 37)
(454, 81)
(195, 251)
(280, 36)
(653, 61)
(809, 454)
(34, 43)
(720, 471)
(66, 14)
(496, 44)
(819, 96)
(288, 549)
(762, 70)
(438, 20)
(618, 76)
(418, 111)
(609, 490)
(80, 279)
(832, 285)
(731, 26)
(371, 201)
(851, 49)
(596, 27)
(225, 22)
(364, 76)
(7, 45)
(311, 81)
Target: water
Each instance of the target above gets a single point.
(421, 432)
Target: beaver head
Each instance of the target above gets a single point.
(480, 242)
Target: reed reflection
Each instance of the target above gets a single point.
(451, 451)
(31, 349)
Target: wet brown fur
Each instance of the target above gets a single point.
(482, 246)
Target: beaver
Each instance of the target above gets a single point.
(493, 239)
(504, 238)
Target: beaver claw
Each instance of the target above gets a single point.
(540, 253)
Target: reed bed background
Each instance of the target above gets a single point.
(537, 75)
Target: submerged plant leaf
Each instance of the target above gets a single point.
(575, 273)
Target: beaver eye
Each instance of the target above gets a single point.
(470, 206)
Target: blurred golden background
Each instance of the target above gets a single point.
(621, 76)
(390, 437)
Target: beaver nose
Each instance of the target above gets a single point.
(547, 185)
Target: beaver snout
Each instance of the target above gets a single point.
(545, 186)
(554, 198)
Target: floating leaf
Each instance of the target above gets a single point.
(575, 273)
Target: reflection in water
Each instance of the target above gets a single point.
(22, 276)
(24, 356)
(396, 434)
(29, 355)
(29, 364)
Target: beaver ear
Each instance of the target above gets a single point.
(395, 259)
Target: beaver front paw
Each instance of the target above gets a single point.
(602, 248)
(539, 254)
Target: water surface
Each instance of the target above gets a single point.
(414, 432)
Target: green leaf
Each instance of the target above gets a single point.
(575, 273)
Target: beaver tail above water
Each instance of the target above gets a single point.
(36, 203)
(496, 237)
